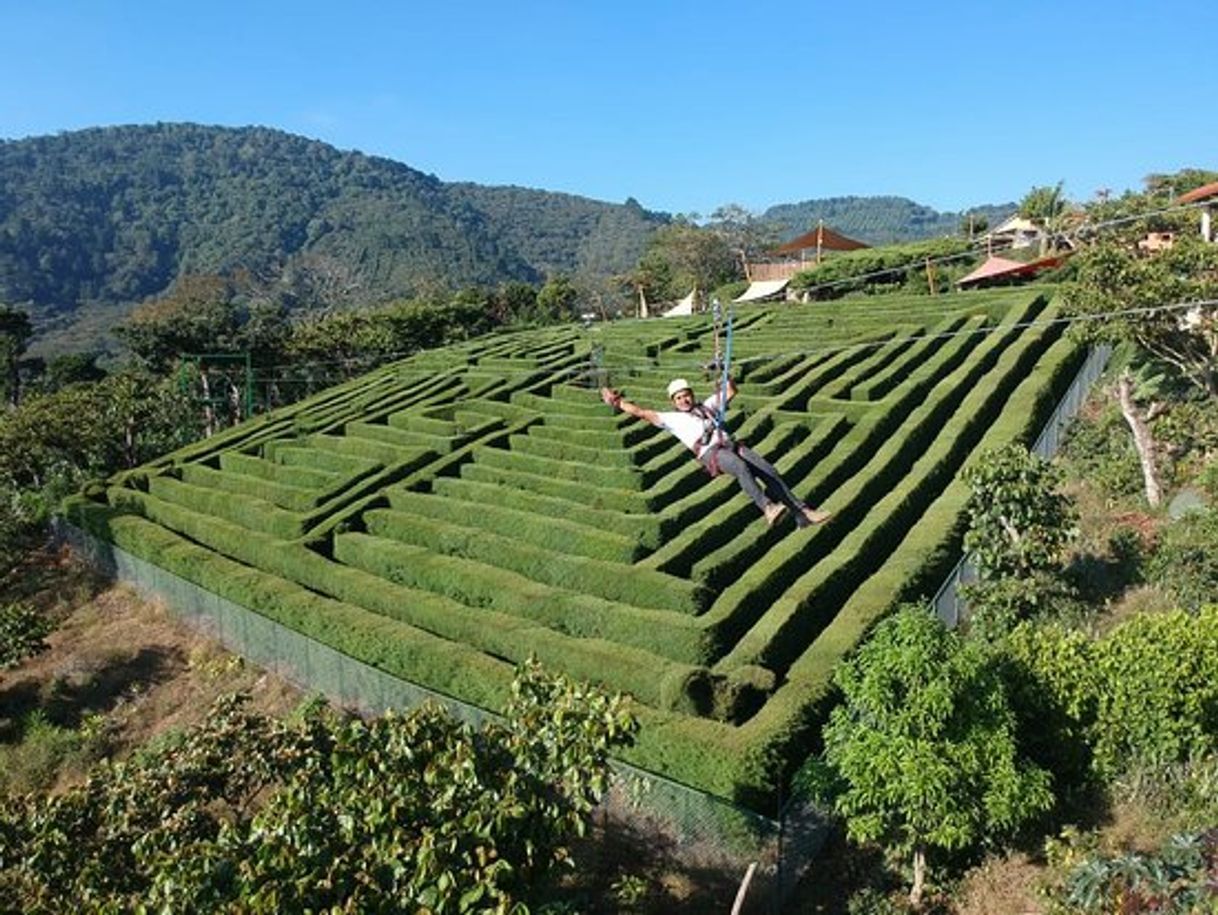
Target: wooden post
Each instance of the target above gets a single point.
(744, 889)
(930, 275)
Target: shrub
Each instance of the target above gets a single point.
(23, 632)
(1185, 561)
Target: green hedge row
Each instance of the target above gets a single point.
(642, 673)
(297, 453)
(877, 360)
(390, 645)
(640, 587)
(886, 460)
(365, 449)
(643, 528)
(597, 438)
(478, 584)
(881, 383)
(249, 512)
(413, 421)
(557, 450)
(299, 477)
(292, 498)
(627, 501)
(879, 508)
(558, 535)
(400, 438)
(590, 475)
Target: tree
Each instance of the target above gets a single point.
(409, 812)
(744, 233)
(924, 745)
(1019, 524)
(1162, 304)
(683, 256)
(558, 299)
(1045, 206)
(15, 333)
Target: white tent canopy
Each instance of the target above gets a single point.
(762, 289)
(683, 307)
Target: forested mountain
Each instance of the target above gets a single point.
(112, 215)
(875, 220)
(96, 220)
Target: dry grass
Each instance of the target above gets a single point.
(120, 670)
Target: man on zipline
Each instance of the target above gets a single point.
(700, 428)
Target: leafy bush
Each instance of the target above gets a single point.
(1178, 878)
(413, 812)
(23, 632)
(1185, 562)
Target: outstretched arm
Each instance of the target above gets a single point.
(618, 402)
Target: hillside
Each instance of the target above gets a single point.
(94, 221)
(449, 515)
(110, 216)
(876, 220)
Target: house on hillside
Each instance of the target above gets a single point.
(1014, 232)
(1207, 194)
(768, 278)
(1156, 241)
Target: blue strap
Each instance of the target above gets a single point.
(721, 418)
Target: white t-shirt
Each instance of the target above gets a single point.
(691, 428)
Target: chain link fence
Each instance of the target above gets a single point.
(949, 604)
(698, 832)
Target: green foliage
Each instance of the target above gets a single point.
(924, 742)
(407, 812)
(879, 220)
(681, 257)
(15, 333)
(1146, 693)
(1142, 299)
(1098, 448)
(1185, 559)
(1018, 522)
(23, 632)
(877, 269)
(116, 215)
(1175, 880)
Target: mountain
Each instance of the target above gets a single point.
(94, 221)
(876, 220)
(109, 216)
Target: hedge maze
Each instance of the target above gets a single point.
(447, 516)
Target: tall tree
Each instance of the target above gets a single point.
(15, 333)
(924, 744)
(1047, 207)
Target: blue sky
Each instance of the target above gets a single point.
(684, 106)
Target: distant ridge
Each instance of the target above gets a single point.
(877, 220)
(94, 221)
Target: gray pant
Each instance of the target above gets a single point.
(747, 466)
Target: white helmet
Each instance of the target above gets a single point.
(676, 386)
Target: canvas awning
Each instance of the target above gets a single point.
(762, 289)
(823, 240)
(683, 307)
(1001, 267)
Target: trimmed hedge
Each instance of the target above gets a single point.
(479, 584)
(553, 534)
(291, 498)
(640, 587)
(255, 514)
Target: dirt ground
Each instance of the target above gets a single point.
(115, 663)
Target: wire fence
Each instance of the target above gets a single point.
(695, 831)
(948, 602)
